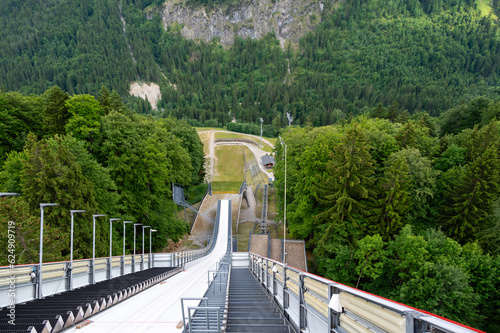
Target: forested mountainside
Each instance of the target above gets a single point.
(91, 154)
(425, 55)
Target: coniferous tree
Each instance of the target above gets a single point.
(56, 113)
(347, 189)
(472, 201)
(395, 200)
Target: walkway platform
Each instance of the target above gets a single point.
(250, 308)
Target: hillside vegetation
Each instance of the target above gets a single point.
(91, 154)
(426, 55)
(405, 208)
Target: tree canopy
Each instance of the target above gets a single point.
(94, 155)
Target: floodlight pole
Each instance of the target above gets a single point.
(93, 245)
(72, 212)
(123, 258)
(142, 259)
(133, 258)
(261, 121)
(290, 119)
(150, 252)
(110, 246)
(42, 205)
(284, 224)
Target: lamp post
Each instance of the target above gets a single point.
(290, 119)
(142, 261)
(72, 212)
(261, 121)
(123, 258)
(110, 245)
(150, 252)
(133, 258)
(284, 217)
(93, 245)
(42, 205)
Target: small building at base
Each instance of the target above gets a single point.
(268, 161)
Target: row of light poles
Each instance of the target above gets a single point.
(72, 212)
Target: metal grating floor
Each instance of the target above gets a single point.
(58, 312)
(250, 309)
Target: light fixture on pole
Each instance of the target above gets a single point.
(5, 194)
(72, 212)
(261, 121)
(110, 245)
(142, 260)
(133, 258)
(93, 245)
(42, 205)
(123, 258)
(150, 252)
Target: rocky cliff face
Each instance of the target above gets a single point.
(289, 19)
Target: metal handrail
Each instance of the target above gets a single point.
(341, 305)
(207, 308)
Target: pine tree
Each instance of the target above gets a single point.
(348, 188)
(478, 189)
(393, 111)
(395, 200)
(407, 136)
(55, 113)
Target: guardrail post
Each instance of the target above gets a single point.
(92, 272)
(412, 325)
(110, 266)
(69, 276)
(266, 275)
(302, 308)
(285, 295)
(38, 281)
(333, 316)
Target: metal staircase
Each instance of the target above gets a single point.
(250, 309)
(209, 314)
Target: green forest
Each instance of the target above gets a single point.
(427, 55)
(407, 208)
(92, 154)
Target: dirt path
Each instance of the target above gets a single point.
(255, 136)
(210, 158)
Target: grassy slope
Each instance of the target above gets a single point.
(230, 172)
(485, 7)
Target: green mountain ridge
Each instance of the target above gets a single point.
(426, 55)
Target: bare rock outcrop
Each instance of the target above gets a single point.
(289, 19)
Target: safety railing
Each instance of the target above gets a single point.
(22, 280)
(315, 304)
